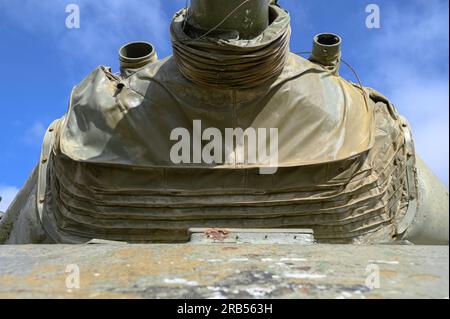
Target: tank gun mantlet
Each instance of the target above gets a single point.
(325, 102)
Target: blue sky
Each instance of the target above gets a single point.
(41, 60)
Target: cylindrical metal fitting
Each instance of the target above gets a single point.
(136, 55)
(326, 49)
(249, 20)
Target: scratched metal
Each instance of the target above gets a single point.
(251, 236)
(224, 271)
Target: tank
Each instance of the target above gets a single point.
(1, 213)
(232, 145)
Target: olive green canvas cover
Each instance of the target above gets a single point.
(342, 156)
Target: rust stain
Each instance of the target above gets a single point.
(230, 248)
(178, 261)
(217, 234)
(425, 277)
(304, 290)
(140, 272)
(388, 273)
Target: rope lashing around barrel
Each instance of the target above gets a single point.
(217, 63)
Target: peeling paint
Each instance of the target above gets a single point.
(384, 262)
(215, 260)
(185, 272)
(239, 260)
(180, 281)
(304, 276)
(259, 292)
(293, 259)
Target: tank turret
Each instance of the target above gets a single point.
(233, 131)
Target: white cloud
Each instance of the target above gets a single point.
(7, 193)
(35, 134)
(105, 25)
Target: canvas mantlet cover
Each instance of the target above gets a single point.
(345, 164)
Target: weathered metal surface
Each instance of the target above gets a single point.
(136, 55)
(327, 51)
(251, 236)
(430, 223)
(224, 271)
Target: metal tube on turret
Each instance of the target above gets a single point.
(136, 55)
(327, 51)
